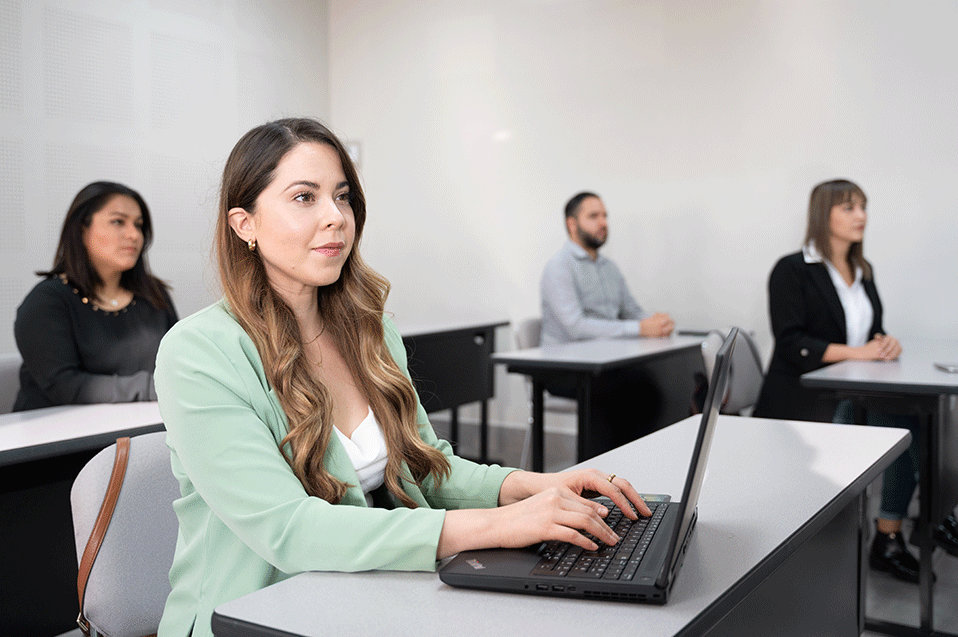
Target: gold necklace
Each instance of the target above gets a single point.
(309, 342)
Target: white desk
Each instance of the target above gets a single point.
(53, 431)
(673, 358)
(776, 550)
(910, 385)
(914, 373)
(41, 452)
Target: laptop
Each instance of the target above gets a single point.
(637, 569)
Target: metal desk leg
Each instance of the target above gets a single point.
(584, 442)
(538, 449)
(928, 507)
(862, 558)
(454, 427)
(484, 431)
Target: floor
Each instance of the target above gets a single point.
(887, 599)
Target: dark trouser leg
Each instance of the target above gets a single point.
(901, 477)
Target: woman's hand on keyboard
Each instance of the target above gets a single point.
(538, 507)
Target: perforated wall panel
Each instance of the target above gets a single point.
(11, 56)
(13, 235)
(88, 68)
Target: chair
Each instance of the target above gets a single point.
(9, 380)
(745, 375)
(129, 581)
(527, 334)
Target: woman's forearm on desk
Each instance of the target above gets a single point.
(838, 352)
(464, 530)
(881, 347)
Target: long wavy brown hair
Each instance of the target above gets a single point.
(824, 197)
(352, 313)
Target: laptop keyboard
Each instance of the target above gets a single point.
(609, 562)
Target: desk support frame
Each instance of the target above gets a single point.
(538, 426)
(584, 441)
(577, 362)
(928, 408)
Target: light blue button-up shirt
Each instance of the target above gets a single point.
(584, 299)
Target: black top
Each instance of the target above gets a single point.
(76, 353)
(807, 316)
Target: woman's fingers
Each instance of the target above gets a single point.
(567, 513)
(620, 491)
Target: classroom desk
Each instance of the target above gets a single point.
(41, 452)
(449, 364)
(910, 385)
(776, 551)
(671, 362)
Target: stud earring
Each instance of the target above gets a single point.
(252, 245)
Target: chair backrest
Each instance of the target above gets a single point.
(129, 581)
(9, 380)
(745, 375)
(710, 346)
(528, 333)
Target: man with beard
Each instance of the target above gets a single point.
(584, 296)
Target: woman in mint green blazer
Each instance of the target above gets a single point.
(295, 432)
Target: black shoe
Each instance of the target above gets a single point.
(946, 535)
(888, 554)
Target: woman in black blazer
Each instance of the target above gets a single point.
(825, 308)
(807, 318)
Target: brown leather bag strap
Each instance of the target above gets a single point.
(102, 523)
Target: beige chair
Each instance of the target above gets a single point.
(9, 381)
(129, 580)
(527, 334)
(745, 375)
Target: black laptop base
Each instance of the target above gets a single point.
(515, 574)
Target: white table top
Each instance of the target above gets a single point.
(913, 373)
(436, 327)
(778, 474)
(596, 355)
(41, 433)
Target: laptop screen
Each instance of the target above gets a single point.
(718, 385)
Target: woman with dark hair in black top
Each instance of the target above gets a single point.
(88, 333)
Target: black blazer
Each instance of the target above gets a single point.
(806, 316)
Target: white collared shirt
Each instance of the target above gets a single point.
(859, 312)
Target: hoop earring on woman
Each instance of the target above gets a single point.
(252, 245)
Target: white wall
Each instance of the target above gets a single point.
(703, 125)
(151, 93)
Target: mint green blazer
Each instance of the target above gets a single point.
(245, 520)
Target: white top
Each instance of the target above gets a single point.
(367, 451)
(859, 312)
